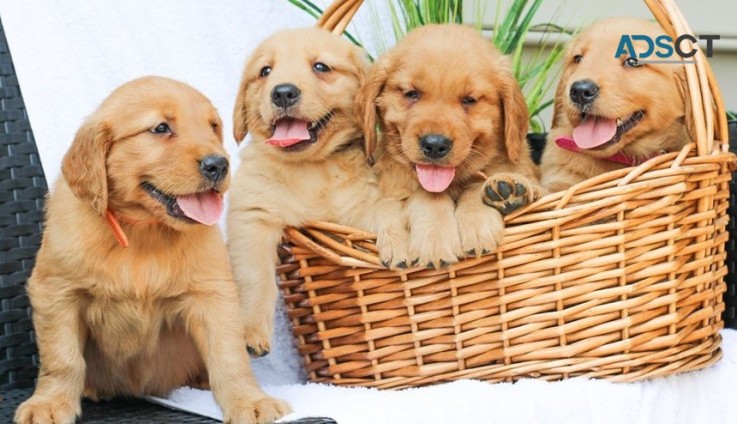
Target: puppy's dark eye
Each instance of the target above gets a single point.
(412, 95)
(632, 62)
(162, 128)
(468, 101)
(214, 126)
(577, 58)
(321, 67)
(265, 71)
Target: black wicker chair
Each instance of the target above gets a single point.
(730, 297)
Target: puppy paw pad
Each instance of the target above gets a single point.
(505, 194)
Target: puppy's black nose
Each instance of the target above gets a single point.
(214, 168)
(435, 146)
(285, 95)
(584, 92)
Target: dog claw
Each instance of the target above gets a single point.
(471, 252)
(385, 263)
(258, 353)
(444, 264)
(430, 265)
(402, 265)
(415, 261)
(485, 251)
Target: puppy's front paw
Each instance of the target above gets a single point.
(481, 230)
(393, 249)
(509, 192)
(258, 336)
(262, 409)
(51, 410)
(436, 249)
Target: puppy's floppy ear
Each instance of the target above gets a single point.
(560, 92)
(240, 119)
(361, 64)
(366, 109)
(83, 167)
(516, 119)
(683, 92)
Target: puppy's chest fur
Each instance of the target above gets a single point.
(331, 190)
(126, 296)
(131, 297)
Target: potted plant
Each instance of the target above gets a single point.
(535, 72)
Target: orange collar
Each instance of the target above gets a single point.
(116, 229)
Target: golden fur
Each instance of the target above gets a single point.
(161, 313)
(328, 179)
(445, 64)
(658, 89)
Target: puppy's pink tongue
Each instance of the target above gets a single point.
(205, 207)
(594, 132)
(435, 179)
(289, 132)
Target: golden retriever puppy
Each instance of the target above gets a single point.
(147, 170)
(611, 113)
(305, 161)
(449, 108)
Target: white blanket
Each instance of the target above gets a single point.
(700, 397)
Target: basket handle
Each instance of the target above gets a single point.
(338, 15)
(709, 117)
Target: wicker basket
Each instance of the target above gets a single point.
(620, 277)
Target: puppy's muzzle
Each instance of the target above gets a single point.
(435, 146)
(285, 95)
(584, 92)
(214, 167)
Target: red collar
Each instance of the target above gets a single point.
(566, 142)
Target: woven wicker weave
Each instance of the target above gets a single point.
(620, 277)
(22, 191)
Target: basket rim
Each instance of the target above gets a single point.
(599, 193)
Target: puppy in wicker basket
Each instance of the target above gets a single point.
(611, 113)
(449, 110)
(305, 162)
(132, 292)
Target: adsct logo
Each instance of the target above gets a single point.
(663, 48)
